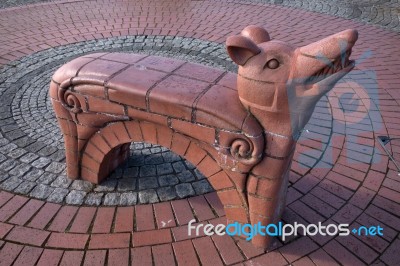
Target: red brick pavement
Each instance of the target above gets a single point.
(336, 176)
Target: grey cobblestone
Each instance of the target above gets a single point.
(61, 182)
(126, 184)
(41, 162)
(25, 187)
(58, 195)
(112, 199)
(82, 185)
(94, 199)
(75, 197)
(166, 193)
(184, 190)
(29, 157)
(107, 185)
(46, 178)
(202, 187)
(148, 182)
(21, 170)
(55, 167)
(11, 183)
(168, 180)
(148, 196)
(129, 198)
(186, 176)
(41, 191)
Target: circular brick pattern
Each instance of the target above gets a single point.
(339, 174)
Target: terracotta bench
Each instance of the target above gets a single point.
(238, 130)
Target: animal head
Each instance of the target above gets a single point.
(279, 81)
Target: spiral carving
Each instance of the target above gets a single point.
(246, 151)
(241, 149)
(68, 99)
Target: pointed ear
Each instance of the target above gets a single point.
(241, 49)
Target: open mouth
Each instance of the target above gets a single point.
(341, 65)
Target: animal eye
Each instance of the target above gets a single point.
(272, 64)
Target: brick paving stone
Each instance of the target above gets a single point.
(163, 255)
(383, 216)
(320, 257)
(67, 240)
(164, 215)
(63, 218)
(152, 237)
(28, 256)
(45, 214)
(144, 217)
(390, 256)
(27, 235)
(9, 252)
(358, 248)
(103, 220)
(5, 197)
(107, 241)
(375, 242)
(71, 258)
(118, 257)
(185, 253)
(201, 208)
(4, 229)
(50, 257)
(141, 256)
(26, 212)
(274, 256)
(297, 249)
(82, 220)
(341, 254)
(215, 203)
(11, 207)
(206, 251)
(95, 257)
(227, 249)
(182, 211)
(124, 219)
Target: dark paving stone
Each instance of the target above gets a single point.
(168, 180)
(148, 182)
(148, 196)
(186, 176)
(147, 170)
(166, 193)
(165, 168)
(184, 190)
(202, 187)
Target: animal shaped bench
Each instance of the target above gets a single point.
(239, 130)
